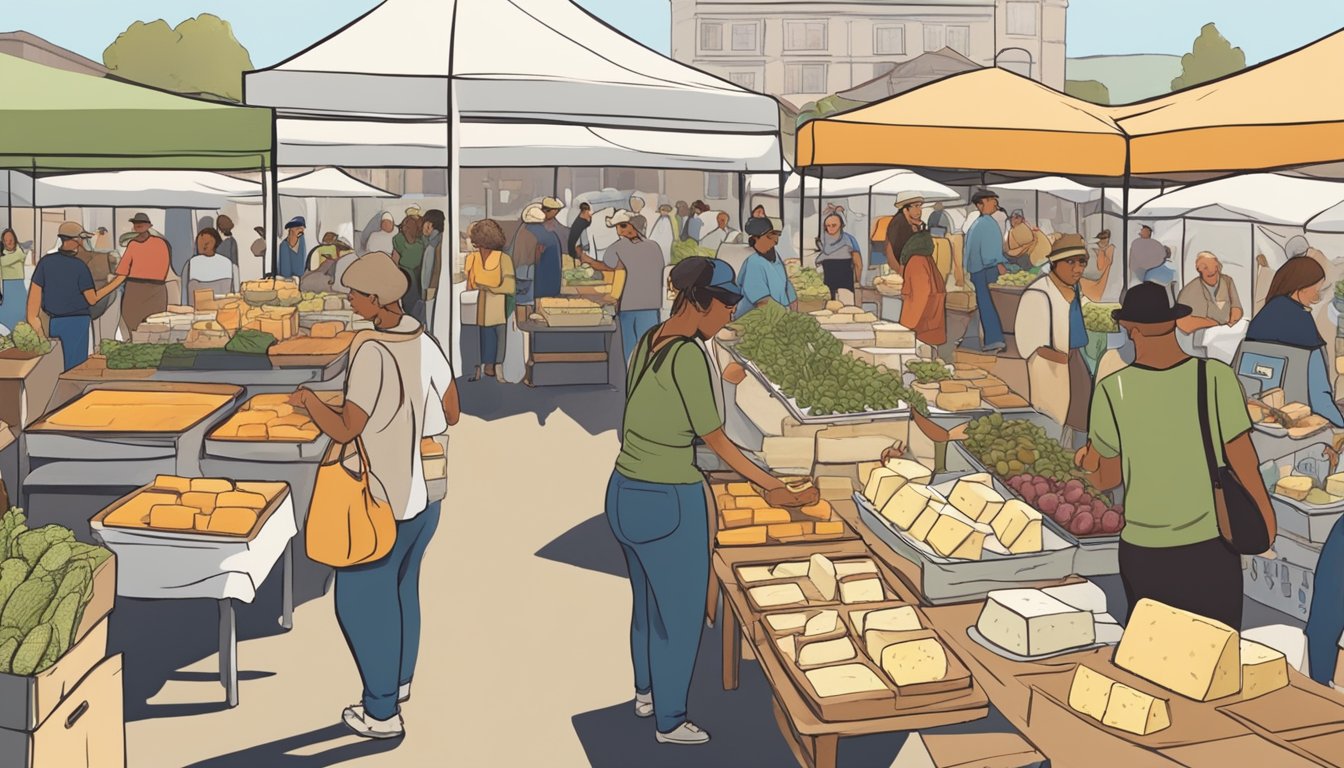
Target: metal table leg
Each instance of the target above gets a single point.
(228, 651)
(287, 588)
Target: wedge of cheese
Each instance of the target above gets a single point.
(864, 590)
(1090, 692)
(821, 572)
(788, 647)
(823, 623)
(736, 518)
(902, 619)
(750, 574)
(1019, 527)
(909, 503)
(1134, 711)
(1029, 622)
(844, 680)
(786, 622)
(883, 483)
(1263, 670)
(955, 535)
(915, 662)
(912, 471)
(976, 500)
(775, 595)
(1183, 652)
(854, 567)
(824, 652)
(791, 570)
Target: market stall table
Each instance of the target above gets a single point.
(567, 355)
(26, 384)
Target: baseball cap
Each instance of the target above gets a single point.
(758, 227)
(984, 194)
(725, 280)
(297, 221)
(620, 217)
(72, 230)
(551, 204)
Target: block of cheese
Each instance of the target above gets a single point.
(1334, 484)
(750, 502)
(788, 647)
(1018, 527)
(770, 516)
(1263, 670)
(232, 520)
(876, 640)
(741, 537)
(205, 502)
(956, 535)
(300, 420)
(326, 329)
(741, 489)
(821, 572)
(725, 501)
(774, 595)
(983, 478)
(1294, 487)
(786, 622)
(902, 619)
(241, 499)
(915, 662)
(833, 528)
(977, 501)
(994, 390)
(958, 401)
(823, 623)
(750, 574)
(861, 591)
(251, 431)
(1181, 651)
(135, 511)
(1029, 622)
(202, 521)
(1085, 596)
(854, 567)
(171, 484)
(912, 471)
(173, 517)
(952, 387)
(288, 432)
(1006, 401)
(882, 484)
(826, 652)
(790, 570)
(1274, 398)
(909, 502)
(211, 485)
(822, 510)
(1090, 692)
(924, 523)
(786, 530)
(736, 518)
(1135, 711)
(844, 680)
(893, 335)
(832, 488)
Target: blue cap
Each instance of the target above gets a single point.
(297, 221)
(724, 278)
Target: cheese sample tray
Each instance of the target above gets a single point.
(138, 408)
(190, 508)
(746, 519)
(817, 581)
(267, 428)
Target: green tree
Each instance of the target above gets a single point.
(1211, 57)
(200, 55)
(1094, 91)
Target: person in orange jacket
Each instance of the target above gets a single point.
(924, 292)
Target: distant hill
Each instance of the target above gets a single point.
(1128, 78)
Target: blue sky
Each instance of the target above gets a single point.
(274, 29)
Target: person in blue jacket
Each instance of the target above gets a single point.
(291, 255)
(764, 277)
(984, 263)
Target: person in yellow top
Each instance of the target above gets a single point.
(490, 271)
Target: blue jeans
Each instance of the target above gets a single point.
(73, 331)
(13, 304)
(378, 607)
(490, 335)
(634, 324)
(990, 326)
(664, 534)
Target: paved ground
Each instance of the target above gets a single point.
(524, 658)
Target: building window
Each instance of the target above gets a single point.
(959, 40)
(744, 37)
(935, 37)
(1022, 19)
(889, 40)
(718, 186)
(804, 35)
(711, 36)
(745, 79)
(805, 78)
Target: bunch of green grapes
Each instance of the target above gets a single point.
(928, 371)
(1017, 279)
(1099, 317)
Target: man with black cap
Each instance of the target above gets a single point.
(764, 277)
(984, 263)
(291, 254)
(1145, 432)
(63, 288)
(144, 265)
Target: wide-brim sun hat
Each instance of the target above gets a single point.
(1148, 303)
(1067, 247)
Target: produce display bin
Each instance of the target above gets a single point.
(26, 384)
(1311, 522)
(800, 414)
(26, 701)
(86, 730)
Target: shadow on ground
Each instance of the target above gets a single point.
(301, 751)
(589, 545)
(597, 409)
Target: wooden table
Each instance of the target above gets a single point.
(815, 742)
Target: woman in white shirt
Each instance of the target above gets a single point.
(209, 270)
(399, 389)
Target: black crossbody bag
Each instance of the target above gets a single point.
(1239, 520)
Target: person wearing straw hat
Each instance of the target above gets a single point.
(1051, 334)
(907, 221)
(144, 266)
(551, 239)
(63, 288)
(639, 285)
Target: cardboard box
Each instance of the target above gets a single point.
(26, 702)
(764, 410)
(790, 454)
(87, 729)
(26, 385)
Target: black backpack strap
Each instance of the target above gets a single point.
(1205, 428)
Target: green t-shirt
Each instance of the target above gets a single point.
(1149, 418)
(666, 408)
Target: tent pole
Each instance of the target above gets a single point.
(555, 181)
(1124, 254)
(741, 198)
(1038, 209)
(802, 201)
(821, 181)
(870, 226)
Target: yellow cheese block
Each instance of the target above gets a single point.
(978, 502)
(725, 501)
(822, 510)
(909, 502)
(741, 489)
(200, 500)
(788, 647)
(211, 484)
(882, 484)
(753, 573)
(1334, 484)
(861, 591)
(955, 535)
(242, 499)
(1090, 692)
(1263, 670)
(232, 520)
(790, 570)
(1192, 655)
(735, 518)
(1294, 487)
(770, 516)
(924, 523)
(135, 511)
(279, 409)
(901, 619)
(300, 420)
(326, 329)
(202, 521)
(786, 622)
(286, 432)
(251, 416)
(137, 411)
(912, 471)
(1018, 527)
(1135, 711)
(844, 680)
(775, 595)
(824, 623)
(915, 662)
(785, 530)
(171, 483)
(959, 401)
(172, 517)
(269, 398)
(821, 572)
(854, 568)
(252, 432)
(739, 537)
(750, 502)
(829, 528)
(826, 652)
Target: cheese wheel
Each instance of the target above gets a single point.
(173, 517)
(211, 485)
(234, 520)
(171, 483)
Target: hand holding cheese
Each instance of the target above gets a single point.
(1192, 655)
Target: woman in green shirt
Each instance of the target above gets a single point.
(13, 294)
(656, 498)
(409, 252)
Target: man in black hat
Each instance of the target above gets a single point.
(1145, 431)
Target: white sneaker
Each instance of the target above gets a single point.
(644, 704)
(404, 693)
(357, 720)
(686, 733)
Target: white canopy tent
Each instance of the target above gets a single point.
(1265, 198)
(885, 182)
(199, 190)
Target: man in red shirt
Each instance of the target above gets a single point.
(144, 267)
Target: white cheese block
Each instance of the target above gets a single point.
(826, 652)
(983, 478)
(924, 523)
(774, 595)
(844, 680)
(823, 623)
(876, 640)
(956, 535)
(914, 662)
(821, 572)
(1029, 622)
(909, 502)
(1181, 651)
(788, 647)
(1084, 596)
(1090, 692)
(902, 619)
(854, 567)
(894, 335)
(1263, 670)
(882, 484)
(861, 591)
(978, 502)
(910, 470)
(1135, 711)
(786, 622)
(790, 570)
(1334, 484)
(753, 573)
(1018, 527)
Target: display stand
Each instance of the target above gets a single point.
(569, 356)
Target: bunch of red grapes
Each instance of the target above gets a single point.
(1069, 504)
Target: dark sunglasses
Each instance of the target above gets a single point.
(728, 297)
